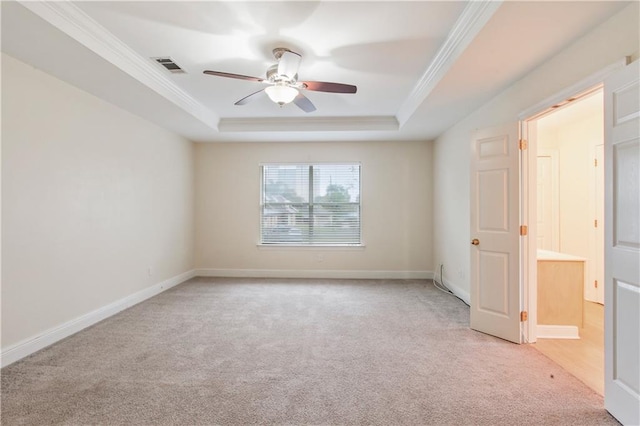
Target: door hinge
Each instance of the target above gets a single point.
(595, 223)
(523, 230)
(595, 283)
(595, 162)
(523, 144)
(524, 315)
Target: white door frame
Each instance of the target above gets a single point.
(596, 236)
(528, 188)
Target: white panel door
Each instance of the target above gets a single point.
(544, 204)
(622, 244)
(547, 200)
(495, 286)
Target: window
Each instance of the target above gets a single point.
(312, 204)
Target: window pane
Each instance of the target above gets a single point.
(285, 184)
(336, 183)
(285, 223)
(336, 223)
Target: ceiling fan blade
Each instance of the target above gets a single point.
(304, 103)
(230, 75)
(323, 86)
(289, 63)
(249, 98)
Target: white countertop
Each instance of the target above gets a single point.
(553, 255)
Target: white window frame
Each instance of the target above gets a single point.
(309, 245)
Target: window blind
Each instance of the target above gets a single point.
(311, 204)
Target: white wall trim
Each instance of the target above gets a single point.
(33, 344)
(473, 18)
(312, 273)
(557, 332)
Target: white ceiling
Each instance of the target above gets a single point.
(420, 66)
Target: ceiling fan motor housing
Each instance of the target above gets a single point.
(279, 51)
(274, 77)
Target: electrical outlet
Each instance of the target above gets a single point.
(149, 271)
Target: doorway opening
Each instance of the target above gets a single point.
(566, 261)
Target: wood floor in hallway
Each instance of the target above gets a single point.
(584, 357)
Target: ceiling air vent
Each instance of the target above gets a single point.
(170, 65)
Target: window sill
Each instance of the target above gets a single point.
(295, 246)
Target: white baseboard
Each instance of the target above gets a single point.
(557, 332)
(312, 273)
(28, 346)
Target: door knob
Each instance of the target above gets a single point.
(475, 241)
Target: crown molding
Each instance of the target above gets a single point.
(473, 18)
(74, 22)
(312, 124)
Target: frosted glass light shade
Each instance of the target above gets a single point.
(281, 94)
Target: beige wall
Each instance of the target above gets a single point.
(396, 210)
(604, 45)
(92, 196)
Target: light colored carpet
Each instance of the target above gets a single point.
(266, 351)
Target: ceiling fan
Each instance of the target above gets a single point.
(283, 85)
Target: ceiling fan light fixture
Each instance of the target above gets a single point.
(281, 94)
(282, 82)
